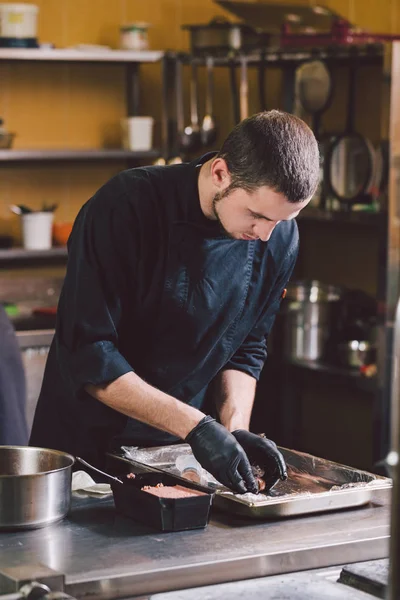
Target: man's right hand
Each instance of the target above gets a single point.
(220, 454)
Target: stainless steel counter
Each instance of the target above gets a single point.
(106, 556)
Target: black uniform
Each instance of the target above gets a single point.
(154, 286)
(13, 427)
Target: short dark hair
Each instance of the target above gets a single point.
(274, 149)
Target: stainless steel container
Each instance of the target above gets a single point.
(35, 486)
(308, 319)
(222, 36)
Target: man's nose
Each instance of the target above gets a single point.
(264, 230)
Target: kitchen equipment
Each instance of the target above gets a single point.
(313, 94)
(308, 316)
(103, 473)
(37, 230)
(356, 353)
(350, 158)
(313, 485)
(244, 89)
(134, 36)
(35, 486)
(234, 93)
(262, 67)
(220, 36)
(191, 139)
(18, 25)
(137, 133)
(164, 514)
(208, 126)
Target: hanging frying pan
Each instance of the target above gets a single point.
(313, 94)
(314, 90)
(350, 160)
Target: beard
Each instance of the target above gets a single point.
(217, 198)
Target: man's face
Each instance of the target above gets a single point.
(253, 215)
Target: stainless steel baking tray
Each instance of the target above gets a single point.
(314, 484)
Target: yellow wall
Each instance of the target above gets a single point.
(79, 106)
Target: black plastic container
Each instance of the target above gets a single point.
(164, 514)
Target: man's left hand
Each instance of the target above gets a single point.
(263, 453)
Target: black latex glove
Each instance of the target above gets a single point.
(263, 453)
(219, 453)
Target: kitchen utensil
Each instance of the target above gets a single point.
(220, 36)
(308, 316)
(262, 66)
(234, 92)
(314, 484)
(244, 89)
(208, 126)
(350, 158)
(89, 466)
(137, 133)
(314, 89)
(35, 486)
(20, 209)
(37, 230)
(313, 94)
(191, 139)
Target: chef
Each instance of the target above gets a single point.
(174, 277)
(13, 426)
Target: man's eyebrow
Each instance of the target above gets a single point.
(259, 216)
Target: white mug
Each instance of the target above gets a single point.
(37, 230)
(137, 133)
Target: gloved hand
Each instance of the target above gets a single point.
(219, 453)
(263, 453)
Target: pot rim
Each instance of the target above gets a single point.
(49, 450)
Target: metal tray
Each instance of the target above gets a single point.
(314, 484)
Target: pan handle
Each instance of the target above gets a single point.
(86, 464)
(234, 92)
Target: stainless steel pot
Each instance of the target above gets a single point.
(308, 319)
(35, 486)
(222, 36)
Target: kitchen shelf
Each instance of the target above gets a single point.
(351, 217)
(361, 381)
(15, 156)
(75, 55)
(21, 255)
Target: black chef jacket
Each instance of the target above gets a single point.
(155, 287)
(13, 427)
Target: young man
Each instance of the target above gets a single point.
(174, 278)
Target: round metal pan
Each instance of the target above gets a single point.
(35, 486)
(350, 160)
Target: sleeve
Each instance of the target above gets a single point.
(101, 262)
(251, 355)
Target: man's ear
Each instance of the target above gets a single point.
(220, 175)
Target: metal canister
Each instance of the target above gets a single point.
(308, 318)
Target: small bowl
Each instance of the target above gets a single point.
(61, 233)
(6, 140)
